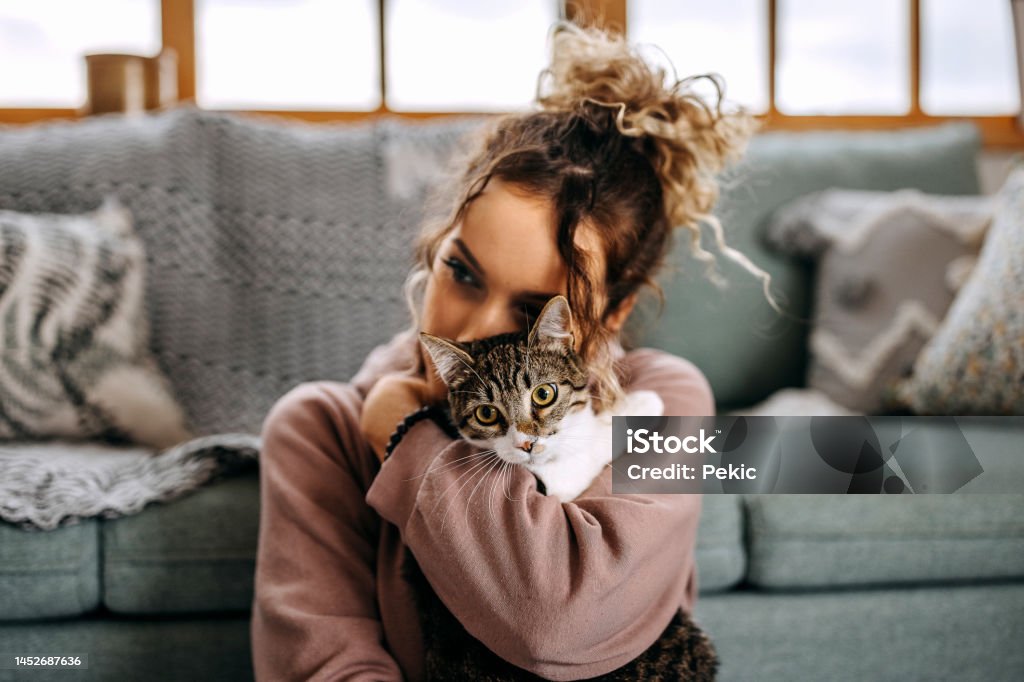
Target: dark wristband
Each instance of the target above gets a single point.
(436, 412)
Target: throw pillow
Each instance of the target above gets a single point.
(888, 266)
(74, 354)
(974, 365)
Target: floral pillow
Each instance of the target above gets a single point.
(888, 265)
(974, 364)
(74, 355)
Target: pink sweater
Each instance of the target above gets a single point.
(566, 591)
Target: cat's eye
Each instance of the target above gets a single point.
(544, 395)
(486, 414)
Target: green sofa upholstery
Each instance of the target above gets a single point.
(792, 587)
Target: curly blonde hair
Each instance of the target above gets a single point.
(613, 147)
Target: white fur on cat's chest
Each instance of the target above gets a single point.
(582, 448)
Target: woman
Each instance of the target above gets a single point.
(578, 198)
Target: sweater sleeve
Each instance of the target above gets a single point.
(315, 615)
(566, 591)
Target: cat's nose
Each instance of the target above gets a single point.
(525, 446)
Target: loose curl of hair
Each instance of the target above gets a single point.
(613, 148)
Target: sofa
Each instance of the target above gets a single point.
(304, 229)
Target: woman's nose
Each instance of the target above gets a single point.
(484, 321)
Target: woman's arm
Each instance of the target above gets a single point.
(565, 591)
(315, 613)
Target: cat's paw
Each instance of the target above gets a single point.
(564, 492)
(644, 404)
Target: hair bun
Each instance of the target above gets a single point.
(598, 75)
(589, 66)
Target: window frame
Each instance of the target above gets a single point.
(178, 32)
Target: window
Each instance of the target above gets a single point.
(288, 54)
(451, 55)
(967, 62)
(843, 57)
(697, 36)
(801, 63)
(42, 44)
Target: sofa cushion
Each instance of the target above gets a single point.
(721, 558)
(884, 262)
(199, 553)
(195, 554)
(82, 368)
(150, 649)
(746, 350)
(46, 574)
(975, 362)
(816, 541)
(971, 632)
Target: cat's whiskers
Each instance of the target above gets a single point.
(467, 458)
(482, 479)
(481, 470)
(494, 484)
(475, 465)
(510, 472)
(452, 464)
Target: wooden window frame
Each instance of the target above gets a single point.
(178, 32)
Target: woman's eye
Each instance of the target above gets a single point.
(531, 313)
(544, 395)
(460, 272)
(486, 414)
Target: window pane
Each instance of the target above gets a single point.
(843, 57)
(43, 42)
(287, 54)
(466, 55)
(968, 63)
(729, 37)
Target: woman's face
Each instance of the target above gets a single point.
(498, 267)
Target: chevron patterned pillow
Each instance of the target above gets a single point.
(888, 265)
(74, 355)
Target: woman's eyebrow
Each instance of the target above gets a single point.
(469, 256)
(533, 296)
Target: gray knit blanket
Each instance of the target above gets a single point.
(51, 484)
(276, 254)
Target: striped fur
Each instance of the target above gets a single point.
(74, 357)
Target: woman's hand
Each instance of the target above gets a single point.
(395, 396)
(389, 401)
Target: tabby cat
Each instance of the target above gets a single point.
(525, 396)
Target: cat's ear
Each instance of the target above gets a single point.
(554, 324)
(449, 359)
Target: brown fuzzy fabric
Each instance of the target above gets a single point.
(682, 652)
